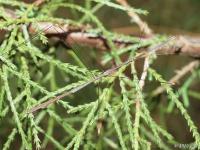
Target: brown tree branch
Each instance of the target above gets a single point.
(39, 2)
(142, 25)
(182, 45)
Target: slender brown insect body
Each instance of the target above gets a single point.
(105, 73)
(74, 90)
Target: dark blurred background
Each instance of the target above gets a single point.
(174, 14)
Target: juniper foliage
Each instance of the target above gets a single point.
(31, 75)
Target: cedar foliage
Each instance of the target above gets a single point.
(32, 72)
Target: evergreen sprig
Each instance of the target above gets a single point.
(32, 71)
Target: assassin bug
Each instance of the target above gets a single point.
(97, 78)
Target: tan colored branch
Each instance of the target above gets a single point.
(180, 74)
(144, 73)
(38, 2)
(142, 25)
(144, 28)
(182, 45)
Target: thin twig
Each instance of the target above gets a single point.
(142, 25)
(144, 73)
(145, 29)
(180, 74)
(38, 2)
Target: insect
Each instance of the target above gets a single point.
(106, 73)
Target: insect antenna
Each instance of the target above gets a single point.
(33, 37)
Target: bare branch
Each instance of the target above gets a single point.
(180, 74)
(142, 25)
(183, 45)
(145, 29)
